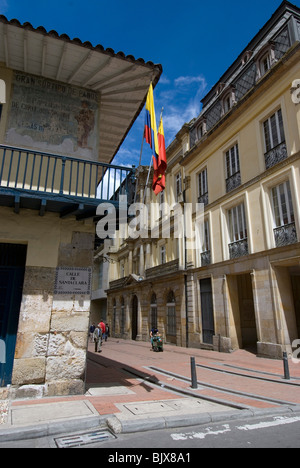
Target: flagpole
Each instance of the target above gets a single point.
(140, 161)
(148, 177)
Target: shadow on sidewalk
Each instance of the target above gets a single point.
(109, 373)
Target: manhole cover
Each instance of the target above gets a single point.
(76, 440)
(156, 407)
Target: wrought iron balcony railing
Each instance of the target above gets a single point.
(28, 173)
(206, 258)
(276, 155)
(286, 235)
(233, 182)
(238, 249)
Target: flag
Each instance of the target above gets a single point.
(159, 179)
(150, 132)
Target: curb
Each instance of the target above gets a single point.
(129, 426)
(118, 426)
(52, 428)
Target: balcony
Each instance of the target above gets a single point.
(238, 249)
(164, 269)
(276, 155)
(206, 258)
(233, 182)
(286, 235)
(68, 186)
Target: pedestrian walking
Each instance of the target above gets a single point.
(102, 326)
(107, 331)
(97, 339)
(91, 332)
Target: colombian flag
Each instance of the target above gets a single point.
(150, 132)
(159, 179)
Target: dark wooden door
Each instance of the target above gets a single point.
(134, 323)
(12, 269)
(208, 325)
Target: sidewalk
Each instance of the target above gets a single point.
(131, 388)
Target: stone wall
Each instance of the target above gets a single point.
(50, 356)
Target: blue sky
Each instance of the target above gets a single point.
(195, 41)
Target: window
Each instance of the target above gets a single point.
(229, 99)
(163, 258)
(205, 245)
(171, 314)
(265, 64)
(100, 276)
(265, 60)
(178, 185)
(238, 233)
(123, 316)
(274, 139)
(227, 104)
(136, 262)
(201, 129)
(283, 213)
(273, 131)
(233, 175)
(114, 316)
(153, 312)
(162, 197)
(203, 187)
(122, 270)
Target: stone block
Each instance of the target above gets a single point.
(29, 371)
(30, 391)
(78, 322)
(65, 387)
(71, 365)
(35, 314)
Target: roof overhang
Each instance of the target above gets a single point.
(121, 81)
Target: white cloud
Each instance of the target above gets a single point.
(180, 99)
(188, 80)
(164, 80)
(181, 103)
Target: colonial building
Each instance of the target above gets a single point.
(65, 109)
(241, 159)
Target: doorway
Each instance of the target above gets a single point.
(12, 271)
(295, 279)
(207, 311)
(248, 328)
(134, 323)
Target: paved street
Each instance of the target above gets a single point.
(276, 432)
(146, 400)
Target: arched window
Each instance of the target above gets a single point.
(171, 314)
(153, 311)
(114, 316)
(123, 316)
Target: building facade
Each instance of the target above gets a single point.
(65, 108)
(239, 158)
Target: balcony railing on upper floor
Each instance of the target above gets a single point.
(27, 173)
(276, 155)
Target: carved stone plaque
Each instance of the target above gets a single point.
(70, 280)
